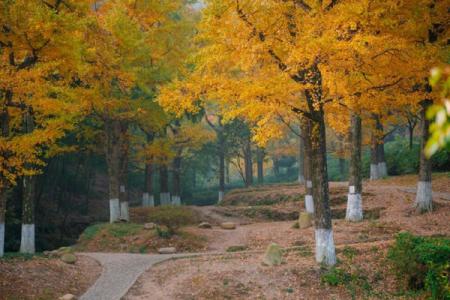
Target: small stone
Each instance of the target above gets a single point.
(149, 226)
(204, 225)
(273, 255)
(228, 225)
(69, 258)
(168, 250)
(68, 297)
(305, 220)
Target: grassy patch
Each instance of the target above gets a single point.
(237, 248)
(20, 256)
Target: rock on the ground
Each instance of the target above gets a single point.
(204, 225)
(305, 220)
(68, 258)
(273, 255)
(228, 225)
(149, 226)
(168, 250)
(68, 297)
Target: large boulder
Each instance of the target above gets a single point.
(205, 225)
(305, 220)
(168, 250)
(228, 225)
(273, 255)
(69, 258)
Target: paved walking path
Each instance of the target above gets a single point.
(120, 271)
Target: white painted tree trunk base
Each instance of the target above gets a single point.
(124, 211)
(164, 198)
(354, 211)
(301, 179)
(325, 250)
(221, 195)
(374, 172)
(309, 204)
(114, 210)
(382, 170)
(27, 239)
(148, 200)
(2, 239)
(424, 196)
(176, 200)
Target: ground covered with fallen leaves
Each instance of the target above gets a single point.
(361, 248)
(45, 278)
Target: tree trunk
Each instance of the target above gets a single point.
(374, 174)
(306, 132)
(164, 185)
(148, 199)
(221, 151)
(301, 160)
(424, 196)
(382, 169)
(2, 220)
(354, 211)
(276, 167)
(411, 136)
(176, 193)
(4, 131)
(260, 164)
(112, 132)
(325, 249)
(342, 166)
(248, 163)
(27, 241)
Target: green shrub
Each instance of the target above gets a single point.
(173, 217)
(336, 276)
(422, 263)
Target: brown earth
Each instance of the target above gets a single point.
(44, 278)
(241, 276)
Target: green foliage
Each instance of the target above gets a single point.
(173, 217)
(20, 256)
(90, 232)
(119, 230)
(422, 263)
(336, 276)
(164, 232)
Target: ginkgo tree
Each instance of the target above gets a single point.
(40, 56)
(131, 46)
(302, 56)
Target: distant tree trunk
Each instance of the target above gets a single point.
(123, 197)
(276, 167)
(374, 174)
(227, 171)
(27, 242)
(260, 164)
(382, 168)
(176, 193)
(411, 135)
(341, 166)
(2, 220)
(4, 131)
(424, 196)
(164, 185)
(248, 163)
(354, 200)
(309, 201)
(112, 134)
(148, 199)
(221, 151)
(301, 160)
